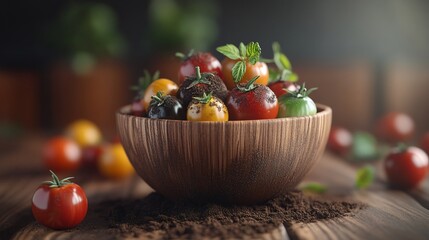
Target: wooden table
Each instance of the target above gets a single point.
(390, 214)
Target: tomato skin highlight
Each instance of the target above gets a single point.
(395, 127)
(62, 155)
(59, 207)
(259, 103)
(340, 140)
(405, 169)
(259, 69)
(206, 61)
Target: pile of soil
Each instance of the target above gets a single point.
(157, 217)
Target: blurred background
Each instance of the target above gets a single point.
(65, 60)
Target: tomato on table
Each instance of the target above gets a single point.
(340, 140)
(252, 101)
(406, 167)
(205, 60)
(61, 154)
(84, 132)
(114, 162)
(242, 64)
(59, 204)
(91, 155)
(207, 108)
(395, 127)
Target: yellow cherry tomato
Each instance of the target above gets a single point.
(207, 108)
(114, 162)
(84, 133)
(166, 86)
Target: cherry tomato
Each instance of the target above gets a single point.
(61, 154)
(279, 87)
(340, 140)
(259, 69)
(166, 107)
(196, 86)
(297, 104)
(59, 204)
(395, 127)
(114, 162)
(91, 155)
(137, 108)
(252, 101)
(424, 143)
(166, 86)
(406, 167)
(206, 61)
(84, 132)
(207, 108)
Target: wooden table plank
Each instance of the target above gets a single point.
(390, 214)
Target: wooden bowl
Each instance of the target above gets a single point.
(239, 162)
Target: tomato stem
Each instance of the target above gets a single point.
(249, 85)
(205, 98)
(157, 99)
(56, 182)
(200, 78)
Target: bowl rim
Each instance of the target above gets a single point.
(322, 110)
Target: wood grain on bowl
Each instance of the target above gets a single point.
(240, 162)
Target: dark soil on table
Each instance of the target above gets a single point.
(157, 217)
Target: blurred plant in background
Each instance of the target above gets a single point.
(182, 25)
(86, 32)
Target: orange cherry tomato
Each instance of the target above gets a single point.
(61, 155)
(84, 132)
(114, 162)
(207, 108)
(166, 86)
(259, 69)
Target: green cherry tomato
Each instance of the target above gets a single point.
(297, 104)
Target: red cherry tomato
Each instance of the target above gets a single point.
(257, 103)
(424, 143)
(59, 204)
(406, 168)
(61, 154)
(279, 87)
(206, 61)
(137, 108)
(259, 69)
(340, 140)
(91, 155)
(395, 127)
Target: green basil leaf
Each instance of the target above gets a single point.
(313, 187)
(364, 177)
(282, 62)
(243, 50)
(229, 51)
(293, 77)
(253, 52)
(238, 71)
